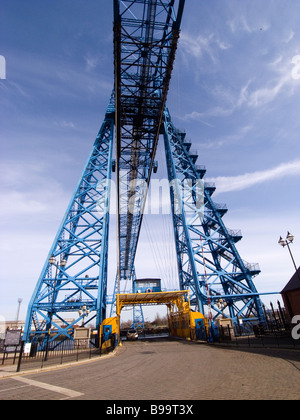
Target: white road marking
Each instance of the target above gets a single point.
(14, 388)
(68, 392)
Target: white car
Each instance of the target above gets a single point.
(132, 335)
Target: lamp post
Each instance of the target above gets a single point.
(221, 304)
(84, 311)
(286, 242)
(18, 311)
(62, 263)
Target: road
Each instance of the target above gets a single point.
(166, 370)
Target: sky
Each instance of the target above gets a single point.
(235, 90)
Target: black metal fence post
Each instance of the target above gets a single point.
(20, 356)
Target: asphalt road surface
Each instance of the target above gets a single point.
(166, 370)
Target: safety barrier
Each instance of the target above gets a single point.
(235, 337)
(42, 354)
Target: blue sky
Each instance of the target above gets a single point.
(235, 90)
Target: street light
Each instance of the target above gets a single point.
(84, 311)
(18, 311)
(52, 260)
(286, 242)
(62, 263)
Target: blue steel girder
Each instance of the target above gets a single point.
(208, 261)
(82, 242)
(145, 41)
(138, 317)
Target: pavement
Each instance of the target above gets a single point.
(167, 370)
(10, 370)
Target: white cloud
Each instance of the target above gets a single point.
(260, 244)
(241, 182)
(91, 62)
(281, 81)
(197, 46)
(21, 203)
(266, 95)
(233, 103)
(249, 96)
(226, 140)
(277, 61)
(65, 124)
(240, 23)
(216, 111)
(290, 37)
(27, 189)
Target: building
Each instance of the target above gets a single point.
(291, 295)
(14, 325)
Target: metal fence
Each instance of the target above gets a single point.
(230, 337)
(43, 354)
(261, 337)
(275, 332)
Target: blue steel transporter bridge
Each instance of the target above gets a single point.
(72, 288)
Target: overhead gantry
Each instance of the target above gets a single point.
(145, 41)
(183, 322)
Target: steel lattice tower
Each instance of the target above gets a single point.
(209, 264)
(74, 277)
